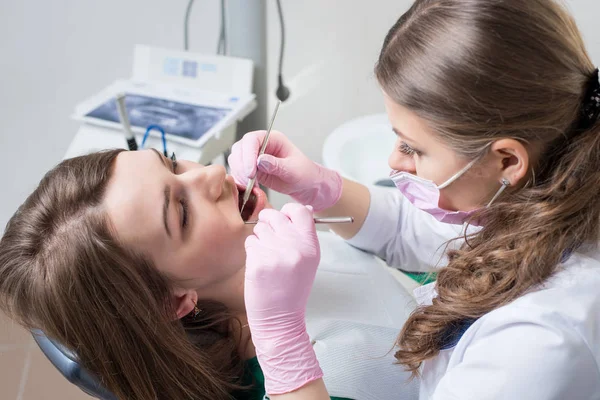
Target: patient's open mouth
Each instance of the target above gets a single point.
(250, 205)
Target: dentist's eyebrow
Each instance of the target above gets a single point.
(403, 136)
(167, 195)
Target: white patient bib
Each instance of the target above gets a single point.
(354, 315)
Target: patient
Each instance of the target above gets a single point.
(136, 262)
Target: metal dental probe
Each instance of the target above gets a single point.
(329, 220)
(261, 152)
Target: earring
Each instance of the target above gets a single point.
(196, 310)
(505, 183)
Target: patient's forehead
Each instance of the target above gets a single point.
(134, 199)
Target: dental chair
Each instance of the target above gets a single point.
(66, 362)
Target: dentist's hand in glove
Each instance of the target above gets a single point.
(285, 169)
(281, 263)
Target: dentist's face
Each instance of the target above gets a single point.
(420, 151)
(185, 217)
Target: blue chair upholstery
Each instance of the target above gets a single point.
(66, 362)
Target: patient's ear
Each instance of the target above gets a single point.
(184, 301)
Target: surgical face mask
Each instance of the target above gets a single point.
(425, 194)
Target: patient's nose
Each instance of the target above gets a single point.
(208, 180)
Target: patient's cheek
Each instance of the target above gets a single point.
(226, 241)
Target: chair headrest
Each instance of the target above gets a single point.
(66, 362)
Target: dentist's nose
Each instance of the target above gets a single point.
(402, 162)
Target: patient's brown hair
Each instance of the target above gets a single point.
(63, 271)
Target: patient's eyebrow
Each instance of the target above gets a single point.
(162, 159)
(167, 195)
(167, 201)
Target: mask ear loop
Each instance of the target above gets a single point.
(465, 169)
(505, 183)
(458, 174)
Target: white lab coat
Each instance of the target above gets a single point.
(545, 345)
(353, 335)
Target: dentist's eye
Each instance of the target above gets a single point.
(406, 149)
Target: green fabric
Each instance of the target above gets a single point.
(421, 278)
(256, 380)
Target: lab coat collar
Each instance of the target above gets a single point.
(425, 294)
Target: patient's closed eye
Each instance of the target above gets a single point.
(184, 213)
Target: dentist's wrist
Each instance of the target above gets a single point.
(291, 369)
(325, 191)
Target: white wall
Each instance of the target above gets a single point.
(330, 65)
(56, 53)
(331, 49)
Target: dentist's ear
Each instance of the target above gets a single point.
(185, 301)
(512, 160)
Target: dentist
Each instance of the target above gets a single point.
(495, 106)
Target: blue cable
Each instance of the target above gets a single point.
(162, 133)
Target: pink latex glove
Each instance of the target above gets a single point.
(285, 169)
(281, 263)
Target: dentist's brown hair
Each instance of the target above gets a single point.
(479, 71)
